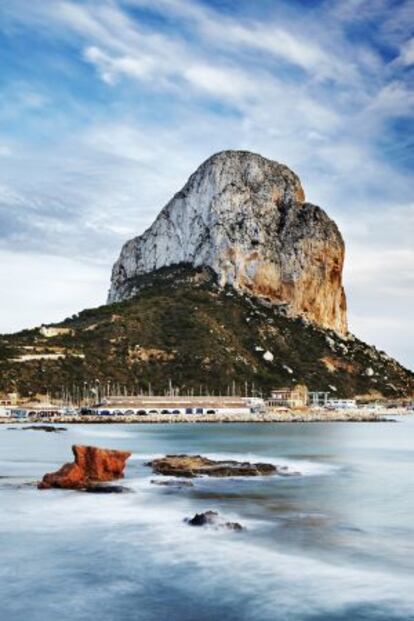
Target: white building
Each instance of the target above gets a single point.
(341, 404)
(51, 331)
(141, 406)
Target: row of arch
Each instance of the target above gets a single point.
(147, 411)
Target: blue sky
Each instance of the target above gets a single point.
(107, 106)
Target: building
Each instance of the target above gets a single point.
(15, 413)
(294, 397)
(341, 404)
(51, 331)
(318, 398)
(37, 411)
(48, 411)
(10, 399)
(141, 406)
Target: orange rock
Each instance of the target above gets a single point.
(91, 465)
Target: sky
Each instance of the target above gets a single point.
(107, 106)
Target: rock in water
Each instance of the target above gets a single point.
(213, 519)
(245, 217)
(172, 483)
(107, 489)
(91, 465)
(190, 466)
(47, 428)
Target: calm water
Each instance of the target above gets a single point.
(336, 543)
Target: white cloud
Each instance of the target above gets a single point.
(379, 278)
(290, 43)
(45, 288)
(110, 68)
(388, 333)
(392, 100)
(406, 56)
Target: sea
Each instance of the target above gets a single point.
(334, 541)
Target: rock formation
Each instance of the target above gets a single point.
(190, 466)
(172, 483)
(98, 488)
(212, 519)
(246, 218)
(47, 428)
(91, 465)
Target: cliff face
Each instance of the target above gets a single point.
(246, 218)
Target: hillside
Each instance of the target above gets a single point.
(183, 327)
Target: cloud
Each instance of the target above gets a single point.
(63, 285)
(406, 56)
(5, 150)
(290, 43)
(141, 68)
(379, 278)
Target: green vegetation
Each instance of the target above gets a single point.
(182, 327)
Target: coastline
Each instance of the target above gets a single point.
(311, 416)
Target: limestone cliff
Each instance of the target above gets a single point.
(246, 218)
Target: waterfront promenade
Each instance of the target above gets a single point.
(268, 416)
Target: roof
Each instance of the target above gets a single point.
(174, 402)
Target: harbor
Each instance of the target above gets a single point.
(188, 410)
(295, 404)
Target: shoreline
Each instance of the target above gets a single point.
(267, 417)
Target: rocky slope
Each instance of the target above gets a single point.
(184, 327)
(246, 218)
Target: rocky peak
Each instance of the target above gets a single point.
(246, 218)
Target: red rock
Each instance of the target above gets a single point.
(91, 465)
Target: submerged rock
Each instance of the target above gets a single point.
(212, 518)
(107, 489)
(91, 465)
(283, 471)
(172, 483)
(7, 483)
(48, 428)
(195, 465)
